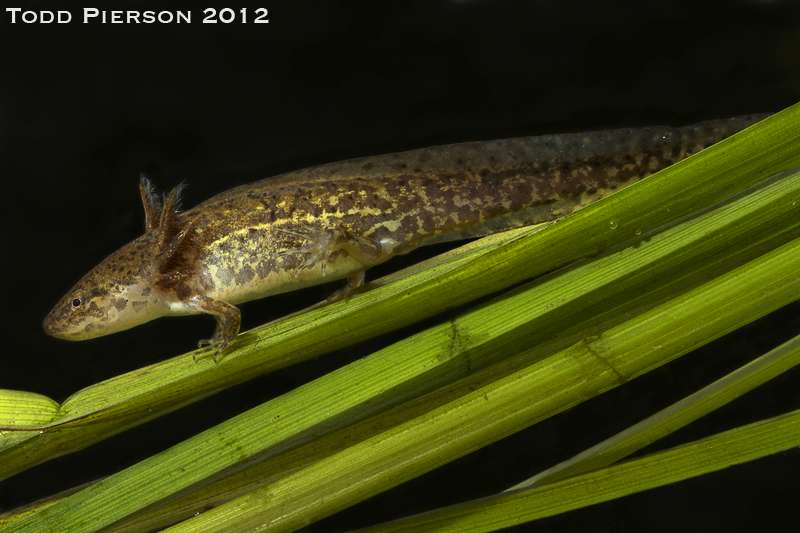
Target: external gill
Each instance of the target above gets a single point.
(177, 250)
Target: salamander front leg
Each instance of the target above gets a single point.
(228, 317)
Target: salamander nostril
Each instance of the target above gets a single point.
(49, 324)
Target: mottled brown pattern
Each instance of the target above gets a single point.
(125, 267)
(443, 189)
(119, 303)
(279, 234)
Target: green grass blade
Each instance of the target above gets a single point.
(25, 409)
(134, 398)
(674, 417)
(115, 405)
(702, 457)
(399, 362)
(15, 515)
(513, 403)
(451, 351)
(767, 202)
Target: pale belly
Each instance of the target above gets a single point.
(242, 284)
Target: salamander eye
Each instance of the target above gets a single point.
(76, 303)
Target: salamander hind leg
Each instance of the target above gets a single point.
(320, 243)
(354, 281)
(228, 317)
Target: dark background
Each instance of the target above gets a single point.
(84, 108)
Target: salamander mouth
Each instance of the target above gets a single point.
(49, 324)
(50, 327)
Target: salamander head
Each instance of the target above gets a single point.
(136, 283)
(116, 295)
